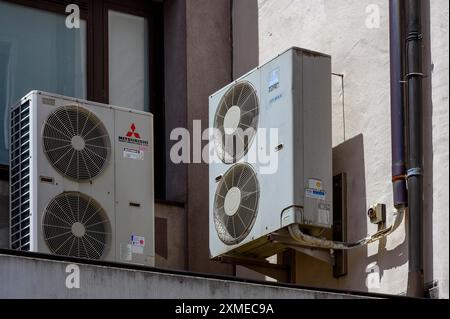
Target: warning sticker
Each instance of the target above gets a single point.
(133, 154)
(125, 252)
(137, 250)
(137, 241)
(314, 183)
(315, 193)
(324, 216)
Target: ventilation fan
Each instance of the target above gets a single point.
(236, 122)
(236, 203)
(75, 225)
(76, 143)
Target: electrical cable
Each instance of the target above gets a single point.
(312, 241)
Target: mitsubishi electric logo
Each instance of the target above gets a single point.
(132, 132)
(133, 137)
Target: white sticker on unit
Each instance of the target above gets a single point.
(137, 250)
(324, 216)
(125, 252)
(316, 194)
(133, 154)
(315, 184)
(138, 241)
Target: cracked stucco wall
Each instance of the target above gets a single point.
(338, 27)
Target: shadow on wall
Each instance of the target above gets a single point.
(387, 259)
(364, 273)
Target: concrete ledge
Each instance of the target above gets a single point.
(29, 277)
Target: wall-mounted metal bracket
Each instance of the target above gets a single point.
(262, 266)
(321, 254)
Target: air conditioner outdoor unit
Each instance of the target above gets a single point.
(81, 179)
(291, 94)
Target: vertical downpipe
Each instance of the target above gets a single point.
(414, 173)
(397, 52)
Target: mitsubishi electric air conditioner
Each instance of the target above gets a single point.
(291, 94)
(81, 179)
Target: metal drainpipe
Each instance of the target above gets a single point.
(414, 173)
(396, 39)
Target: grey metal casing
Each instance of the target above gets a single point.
(300, 108)
(124, 181)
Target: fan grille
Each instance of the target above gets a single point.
(234, 137)
(233, 225)
(75, 225)
(76, 143)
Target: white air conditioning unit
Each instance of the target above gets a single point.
(292, 94)
(81, 179)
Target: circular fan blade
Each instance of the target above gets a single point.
(236, 122)
(76, 143)
(75, 225)
(236, 204)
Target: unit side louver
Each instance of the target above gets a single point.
(20, 177)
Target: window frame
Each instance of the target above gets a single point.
(95, 12)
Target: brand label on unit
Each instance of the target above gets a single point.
(48, 101)
(275, 98)
(274, 80)
(315, 193)
(133, 137)
(133, 154)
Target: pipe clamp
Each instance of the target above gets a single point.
(416, 171)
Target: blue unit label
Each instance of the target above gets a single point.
(315, 193)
